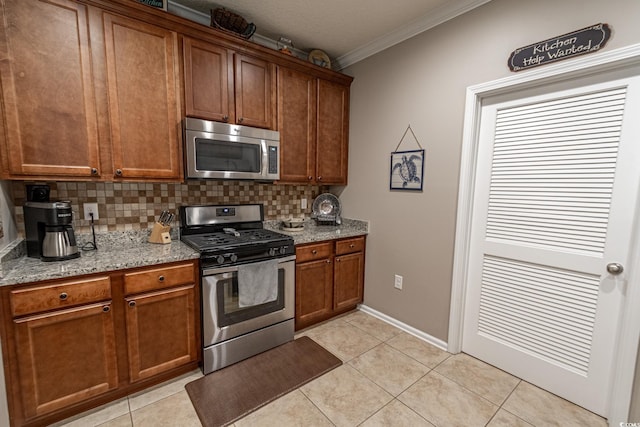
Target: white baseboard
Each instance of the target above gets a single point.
(403, 326)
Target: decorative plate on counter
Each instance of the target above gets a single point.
(326, 205)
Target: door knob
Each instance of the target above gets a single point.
(615, 268)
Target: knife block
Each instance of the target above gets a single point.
(160, 234)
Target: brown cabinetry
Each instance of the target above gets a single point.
(53, 345)
(160, 324)
(72, 344)
(87, 94)
(50, 121)
(313, 123)
(144, 110)
(329, 279)
(226, 86)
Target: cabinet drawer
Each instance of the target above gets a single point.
(158, 278)
(62, 294)
(312, 252)
(349, 245)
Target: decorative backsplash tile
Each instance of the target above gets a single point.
(136, 205)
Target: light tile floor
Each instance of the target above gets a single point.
(389, 378)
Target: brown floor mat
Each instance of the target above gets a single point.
(224, 396)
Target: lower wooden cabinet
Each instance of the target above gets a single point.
(65, 357)
(72, 344)
(160, 331)
(329, 279)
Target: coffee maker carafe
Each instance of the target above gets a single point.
(49, 232)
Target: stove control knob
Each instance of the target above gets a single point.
(283, 250)
(220, 259)
(233, 257)
(272, 251)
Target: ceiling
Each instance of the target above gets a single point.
(348, 31)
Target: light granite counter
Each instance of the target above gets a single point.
(116, 251)
(317, 233)
(123, 250)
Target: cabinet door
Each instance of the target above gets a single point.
(161, 331)
(65, 357)
(207, 80)
(348, 281)
(297, 125)
(47, 88)
(314, 292)
(143, 106)
(254, 92)
(333, 133)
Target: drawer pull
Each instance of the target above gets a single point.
(328, 261)
(106, 309)
(63, 296)
(118, 172)
(132, 303)
(161, 279)
(314, 252)
(352, 245)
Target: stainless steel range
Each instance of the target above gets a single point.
(248, 281)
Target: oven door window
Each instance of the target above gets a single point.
(225, 156)
(229, 309)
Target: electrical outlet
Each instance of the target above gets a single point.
(303, 203)
(90, 208)
(398, 282)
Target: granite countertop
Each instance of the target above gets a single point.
(130, 249)
(116, 251)
(313, 232)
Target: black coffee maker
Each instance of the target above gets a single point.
(49, 231)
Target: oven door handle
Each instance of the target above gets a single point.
(220, 270)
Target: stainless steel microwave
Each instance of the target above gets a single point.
(225, 151)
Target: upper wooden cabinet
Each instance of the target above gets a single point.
(87, 94)
(333, 133)
(226, 86)
(94, 90)
(297, 94)
(47, 89)
(313, 120)
(144, 108)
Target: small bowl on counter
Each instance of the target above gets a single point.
(293, 224)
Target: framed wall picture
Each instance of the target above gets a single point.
(407, 170)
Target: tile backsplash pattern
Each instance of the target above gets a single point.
(135, 205)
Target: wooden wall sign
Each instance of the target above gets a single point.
(579, 42)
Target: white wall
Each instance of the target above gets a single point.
(6, 215)
(422, 82)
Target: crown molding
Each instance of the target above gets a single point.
(447, 11)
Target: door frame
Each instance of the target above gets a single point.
(619, 401)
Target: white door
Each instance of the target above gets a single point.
(554, 203)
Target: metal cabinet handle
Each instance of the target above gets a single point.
(63, 296)
(338, 260)
(352, 245)
(314, 252)
(320, 178)
(241, 119)
(310, 178)
(161, 279)
(94, 171)
(132, 303)
(328, 261)
(119, 172)
(614, 268)
(225, 118)
(106, 308)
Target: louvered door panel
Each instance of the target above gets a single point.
(545, 311)
(553, 171)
